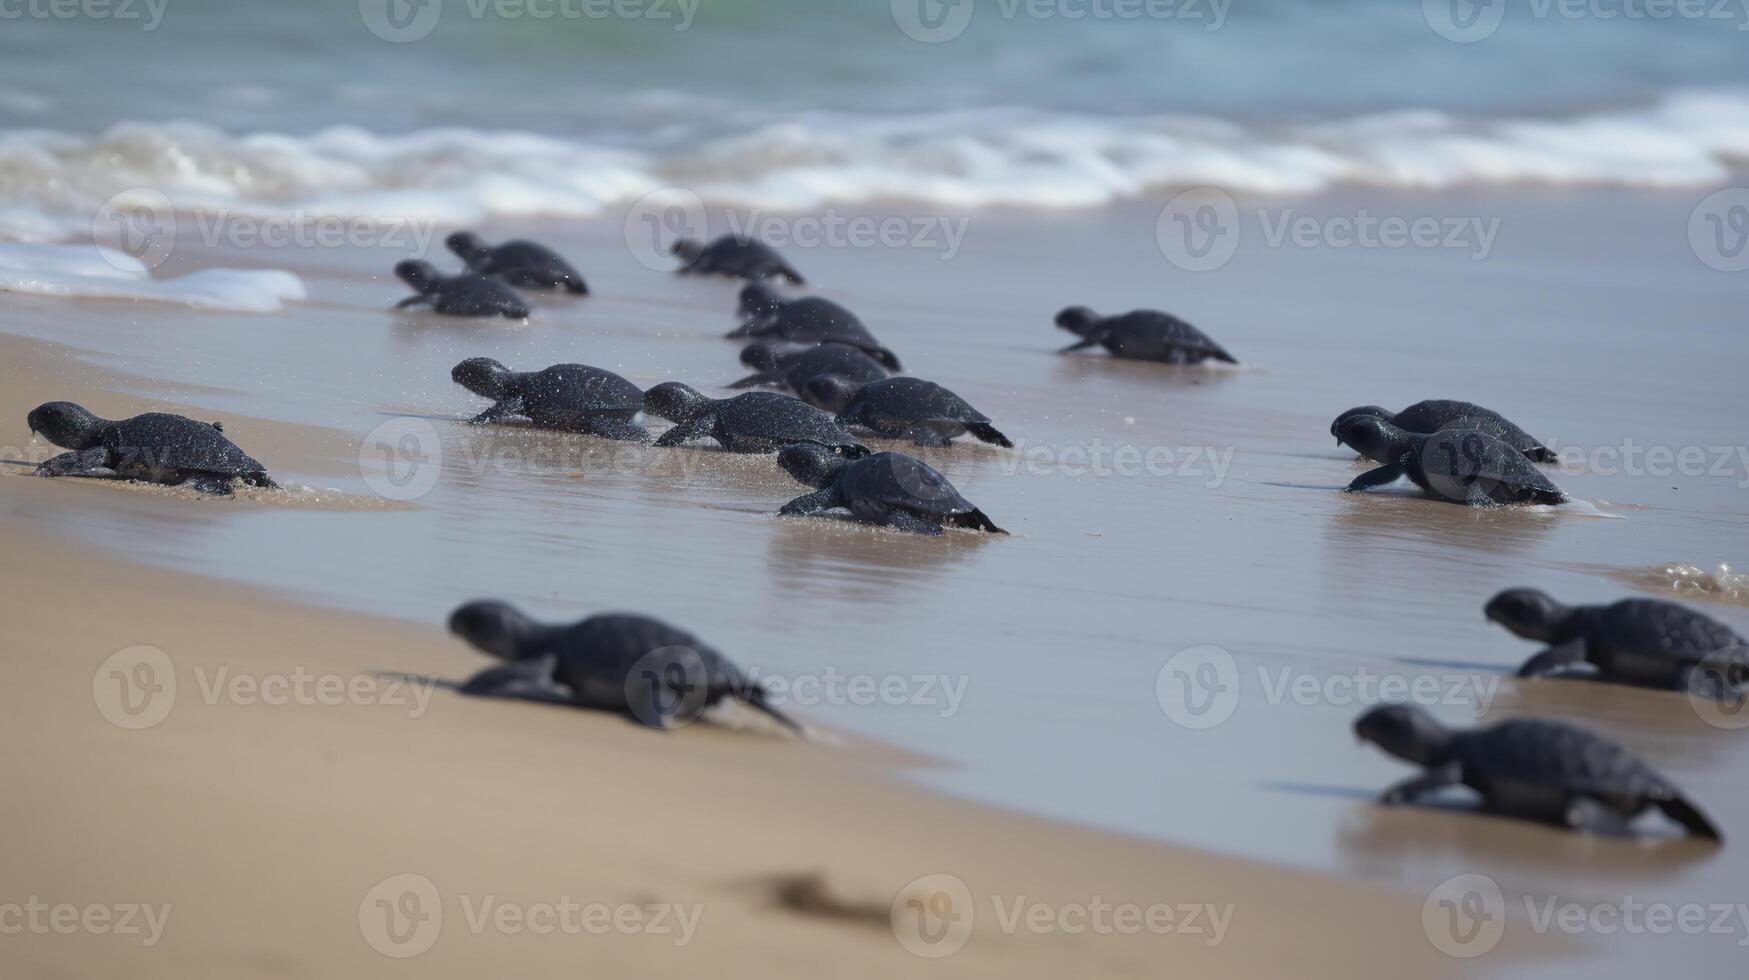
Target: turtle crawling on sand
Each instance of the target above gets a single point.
(568, 397)
(1460, 465)
(663, 676)
(809, 320)
(742, 258)
(1528, 768)
(796, 368)
(756, 422)
(1141, 335)
(151, 448)
(519, 263)
(1643, 642)
(885, 488)
(904, 408)
(469, 294)
(1429, 417)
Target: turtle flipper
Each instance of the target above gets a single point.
(924, 434)
(885, 358)
(1690, 817)
(523, 680)
(755, 380)
(810, 503)
(501, 410)
(985, 432)
(618, 429)
(756, 697)
(790, 275)
(210, 483)
(694, 428)
(1554, 660)
(904, 520)
(1079, 345)
(423, 299)
(92, 462)
(1593, 816)
(975, 520)
(1389, 473)
(261, 480)
(1409, 790)
(752, 328)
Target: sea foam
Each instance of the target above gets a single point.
(96, 271)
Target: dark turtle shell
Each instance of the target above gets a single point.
(1659, 628)
(1505, 759)
(779, 419)
(745, 258)
(163, 443)
(843, 360)
(909, 400)
(1469, 466)
(472, 294)
(890, 480)
(1155, 336)
(527, 263)
(812, 320)
(1427, 417)
(566, 389)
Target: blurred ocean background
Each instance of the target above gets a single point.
(459, 110)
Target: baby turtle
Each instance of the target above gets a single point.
(797, 368)
(885, 488)
(469, 294)
(151, 448)
(1460, 465)
(743, 258)
(809, 320)
(904, 408)
(1142, 335)
(664, 677)
(569, 397)
(1531, 769)
(1429, 417)
(518, 263)
(1643, 642)
(757, 422)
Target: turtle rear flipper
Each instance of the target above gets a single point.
(216, 484)
(974, 520)
(985, 432)
(756, 698)
(261, 480)
(1690, 817)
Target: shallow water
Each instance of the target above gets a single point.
(1591, 323)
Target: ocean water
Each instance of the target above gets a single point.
(459, 110)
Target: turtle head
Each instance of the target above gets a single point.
(496, 628)
(422, 276)
(761, 355)
(1530, 613)
(468, 245)
(1372, 410)
(810, 463)
(686, 249)
(674, 401)
(65, 424)
(1407, 732)
(758, 299)
(484, 377)
(1374, 438)
(829, 391)
(1078, 320)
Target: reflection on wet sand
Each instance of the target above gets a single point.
(838, 557)
(1070, 368)
(1363, 528)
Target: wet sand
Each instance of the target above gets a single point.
(1578, 325)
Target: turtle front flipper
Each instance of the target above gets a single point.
(501, 410)
(1389, 473)
(756, 380)
(1409, 790)
(617, 429)
(756, 327)
(93, 462)
(523, 680)
(696, 427)
(811, 503)
(423, 299)
(1080, 345)
(1554, 660)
